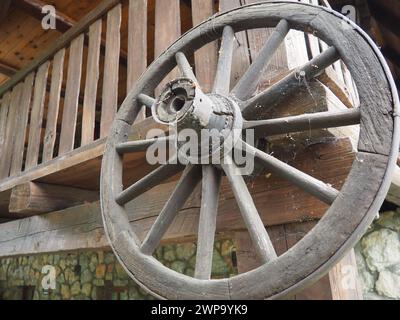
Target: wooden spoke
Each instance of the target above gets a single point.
(189, 180)
(141, 145)
(254, 224)
(146, 100)
(250, 80)
(224, 67)
(148, 182)
(317, 188)
(185, 68)
(304, 122)
(207, 224)
(271, 97)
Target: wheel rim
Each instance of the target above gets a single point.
(336, 232)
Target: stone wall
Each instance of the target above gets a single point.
(97, 275)
(378, 258)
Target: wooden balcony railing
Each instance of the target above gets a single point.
(57, 112)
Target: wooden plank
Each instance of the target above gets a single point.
(205, 58)
(92, 79)
(111, 67)
(22, 121)
(7, 70)
(12, 127)
(54, 106)
(37, 198)
(241, 57)
(394, 191)
(344, 279)
(36, 120)
(168, 29)
(68, 126)
(61, 43)
(321, 289)
(137, 45)
(5, 104)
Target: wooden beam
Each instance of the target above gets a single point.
(37, 198)
(344, 279)
(63, 22)
(394, 191)
(7, 69)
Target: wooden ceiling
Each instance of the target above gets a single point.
(22, 37)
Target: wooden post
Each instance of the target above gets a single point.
(344, 279)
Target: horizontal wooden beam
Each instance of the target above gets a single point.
(63, 22)
(278, 203)
(7, 70)
(34, 198)
(61, 43)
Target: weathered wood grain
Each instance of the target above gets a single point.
(4, 106)
(334, 234)
(37, 198)
(344, 279)
(70, 111)
(137, 45)
(61, 43)
(168, 30)
(111, 67)
(92, 79)
(54, 105)
(11, 126)
(22, 122)
(36, 120)
(206, 57)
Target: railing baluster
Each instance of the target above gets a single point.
(54, 106)
(92, 79)
(35, 127)
(168, 26)
(111, 68)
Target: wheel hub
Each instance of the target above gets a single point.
(207, 125)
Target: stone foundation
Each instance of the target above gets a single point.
(378, 258)
(97, 275)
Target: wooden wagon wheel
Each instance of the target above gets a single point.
(352, 209)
